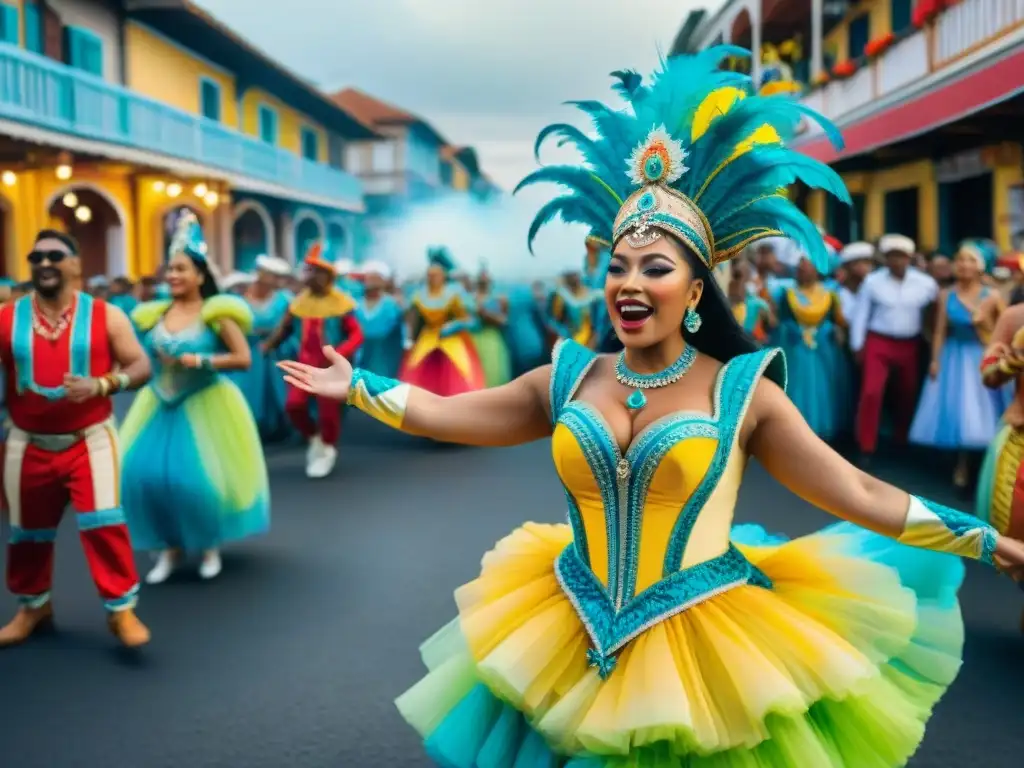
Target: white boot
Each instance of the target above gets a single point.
(210, 568)
(313, 454)
(324, 463)
(163, 569)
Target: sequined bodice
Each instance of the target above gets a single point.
(173, 383)
(635, 513)
(651, 524)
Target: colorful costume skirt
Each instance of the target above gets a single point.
(837, 665)
(956, 410)
(448, 366)
(1001, 484)
(818, 380)
(193, 473)
(264, 389)
(494, 356)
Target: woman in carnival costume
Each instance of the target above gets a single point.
(956, 412)
(443, 358)
(810, 323)
(639, 635)
(492, 310)
(263, 388)
(754, 315)
(570, 309)
(382, 319)
(525, 332)
(193, 473)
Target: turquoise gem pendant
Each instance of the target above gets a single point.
(636, 401)
(638, 382)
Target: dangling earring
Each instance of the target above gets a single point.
(692, 321)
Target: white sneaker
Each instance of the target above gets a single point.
(313, 454)
(324, 463)
(211, 566)
(163, 569)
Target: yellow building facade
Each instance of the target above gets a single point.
(168, 129)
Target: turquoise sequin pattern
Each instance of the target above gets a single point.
(962, 524)
(375, 385)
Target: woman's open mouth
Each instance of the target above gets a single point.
(633, 314)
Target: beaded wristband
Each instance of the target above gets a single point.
(381, 398)
(933, 526)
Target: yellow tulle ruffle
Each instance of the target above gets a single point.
(720, 676)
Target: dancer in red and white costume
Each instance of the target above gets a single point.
(64, 354)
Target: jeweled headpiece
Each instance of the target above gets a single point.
(699, 155)
(188, 237)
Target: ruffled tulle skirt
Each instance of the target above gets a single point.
(193, 476)
(956, 410)
(838, 665)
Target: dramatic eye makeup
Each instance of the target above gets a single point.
(651, 265)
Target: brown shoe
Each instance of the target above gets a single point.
(26, 622)
(127, 628)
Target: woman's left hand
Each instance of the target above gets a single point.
(1009, 557)
(190, 360)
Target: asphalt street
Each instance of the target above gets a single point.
(292, 658)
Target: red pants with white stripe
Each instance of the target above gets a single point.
(40, 479)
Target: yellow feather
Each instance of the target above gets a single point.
(763, 135)
(715, 104)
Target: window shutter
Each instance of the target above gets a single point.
(33, 27)
(8, 24)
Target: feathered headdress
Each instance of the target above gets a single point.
(188, 237)
(698, 155)
(316, 257)
(439, 256)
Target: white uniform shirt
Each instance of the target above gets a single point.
(891, 307)
(848, 302)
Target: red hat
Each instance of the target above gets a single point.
(315, 257)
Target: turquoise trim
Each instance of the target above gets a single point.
(9, 17)
(127, 601)
(739, 378)
(375, 385)
(23, 342)
(961, 524)
(610, 630)
(21, 535)
(84, 50)
(571, 362)
(101, 518)
(33, 601)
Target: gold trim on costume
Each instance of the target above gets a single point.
(924, 529)
(388, 407)
(1011, 456)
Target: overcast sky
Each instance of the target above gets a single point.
(490, 74)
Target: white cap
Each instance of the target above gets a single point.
(344, 267)
(99, 281)
(857, 252)
(898, 243)
(273, 265)
(235, 279)
(376, 267)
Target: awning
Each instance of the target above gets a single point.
(953, 100)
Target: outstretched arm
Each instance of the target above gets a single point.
(508, 415)
(777, 435)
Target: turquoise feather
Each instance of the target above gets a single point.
(741, 196)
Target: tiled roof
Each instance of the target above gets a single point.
(370, 110)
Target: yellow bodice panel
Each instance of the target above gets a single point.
(671, 476)
(436, 312)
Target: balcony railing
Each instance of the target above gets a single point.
(956, 33)
(42, 92)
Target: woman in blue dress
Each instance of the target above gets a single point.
(524, 332)
(956, 411)
(810, 323)
(382, 319)
(263, 388)
(193, 473)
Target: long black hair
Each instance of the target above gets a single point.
(208, 287)
(720, 335)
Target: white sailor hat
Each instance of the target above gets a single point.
(273, 265)
(234, 280)
(857, 252)
(98, 281)
(376, 267)
(898, 244)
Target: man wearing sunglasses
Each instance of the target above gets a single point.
(64, 353)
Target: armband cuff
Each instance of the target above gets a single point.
(379, 397)
(933, 526)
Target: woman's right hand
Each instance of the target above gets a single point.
(332, 382)
(933, 369)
